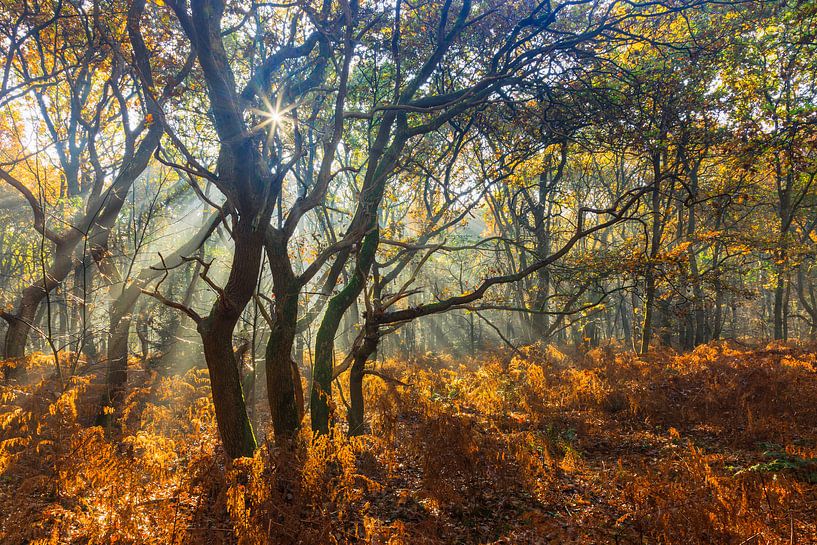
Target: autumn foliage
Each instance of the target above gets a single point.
(542, 446)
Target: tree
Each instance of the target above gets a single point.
(91, 72)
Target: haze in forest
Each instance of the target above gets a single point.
(274, 257)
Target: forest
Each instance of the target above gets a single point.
(408, 272)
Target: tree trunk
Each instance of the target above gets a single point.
(17, 332)
(655, 244)
(216, 332)
(284, 389)
(625, 322)
(356, 414)
(649, 305)
(325, 339)
(21, 321)
(807, 301)
(779, 307)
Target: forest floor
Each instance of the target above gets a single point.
(715, 446)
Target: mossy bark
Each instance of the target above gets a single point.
(325, 338)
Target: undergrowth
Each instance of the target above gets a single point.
(715, 446)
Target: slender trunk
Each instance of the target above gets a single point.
(717, 318)
(143, 333)
(663, 322)
(807, 301)
(471, 335)
(785, 312)
(118, 354)
(625, 321)
(649, 305)
(62, 314)
(356, 414)
(325, 339)
(778, 312)
(655, 243)
(299, 353)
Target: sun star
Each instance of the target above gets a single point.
(272, 115)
